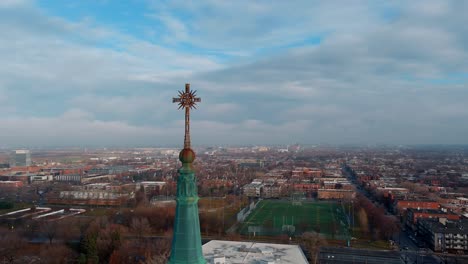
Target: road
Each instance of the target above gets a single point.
(411, 253)
(409, 250)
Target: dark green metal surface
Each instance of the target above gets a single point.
(186, 243)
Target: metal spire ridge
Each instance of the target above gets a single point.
(186, 243)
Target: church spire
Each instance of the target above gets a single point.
(186, 242)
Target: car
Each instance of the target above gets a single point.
(405, 247)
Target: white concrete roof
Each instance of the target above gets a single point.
(251, 253)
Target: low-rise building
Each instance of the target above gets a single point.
(40, 178)
(414, 215)
(403, 205)
(253, 189)
(305, 187)
(73, 178)
(149, 185)
(444, 235)
(11, 184)
(89, 197)
(335, 194)
(271, 191)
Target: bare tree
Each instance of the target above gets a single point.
(312, 242)
(10, 246)
(56, 254)
(50, 229)
(140, 226)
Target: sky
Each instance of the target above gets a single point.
(103, 73)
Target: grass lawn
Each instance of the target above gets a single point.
(326, 218)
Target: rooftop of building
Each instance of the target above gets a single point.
(251, 252)
(22, 151)
(446, 226)
(428, 211)
(419, 200)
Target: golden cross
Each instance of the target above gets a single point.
(187, 100)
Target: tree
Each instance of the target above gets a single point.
(140, 226)
(10, 246)
(363, 221)
(56, 254)
(109, 240)
(389, 226)
(50, 229)
(89, 249)
(312, 241)
(140, 197)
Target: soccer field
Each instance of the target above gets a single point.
(271, 216)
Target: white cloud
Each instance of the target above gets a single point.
(73, 128)
(370, 80)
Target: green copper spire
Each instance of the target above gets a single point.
(186, 242)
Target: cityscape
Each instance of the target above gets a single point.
(388, 204)
(246, 132)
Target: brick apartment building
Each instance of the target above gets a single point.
(11, 184)
(414, 215)
(253, 189)
(271, 191)
(305, 187)
(443, 235)
(335, 194)
(403, 205)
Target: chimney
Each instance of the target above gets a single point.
(443, 220)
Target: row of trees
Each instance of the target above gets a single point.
(373, 219)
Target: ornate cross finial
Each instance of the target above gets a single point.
(187, 100)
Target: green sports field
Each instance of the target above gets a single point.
(271, 216)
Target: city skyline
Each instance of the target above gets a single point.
(98, 73)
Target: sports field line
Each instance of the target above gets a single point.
(317, 215)
(255, 211)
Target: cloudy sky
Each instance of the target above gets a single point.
(103, 73)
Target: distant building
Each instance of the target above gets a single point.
(150, 187)
(74, 178)
(11, 184)
(444, 235)
(305, 187)
(415, 215)
(40, 178)
(233, 252)
(271, 191)
(20, 158)
(253, 189)
(403, 205)
(250, 163)
(89, 197)
(335, 194)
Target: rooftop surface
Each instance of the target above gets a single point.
(252, 253)
(450, 227)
